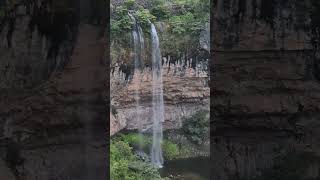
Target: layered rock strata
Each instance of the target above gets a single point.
(265, 90)
(185, 92)
(58, 129)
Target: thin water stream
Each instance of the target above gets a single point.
(157, 88)
(157, 100)
(138, 48)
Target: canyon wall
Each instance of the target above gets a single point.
(186, 91)
(53, 87)
(35, 41)
(265, 90)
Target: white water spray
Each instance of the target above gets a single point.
(138, 48)
(157, 90)
(157, 100)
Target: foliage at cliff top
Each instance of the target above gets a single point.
(179, 23)
(122, 23)
(186, 14)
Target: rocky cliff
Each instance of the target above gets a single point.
(58, 129)
(186, 91)
(185, 54)
(36, 40)
(265, 88)
(53, 106)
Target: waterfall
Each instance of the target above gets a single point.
(157, 100)
(157, 89)
(138, 48)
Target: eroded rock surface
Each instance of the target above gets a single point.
(265, 87)
(60, 127)
(185, 92)
(35, 41)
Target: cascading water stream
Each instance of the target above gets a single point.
(138, 48)
(157, 100)
(157, 89)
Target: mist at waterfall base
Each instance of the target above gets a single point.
(157, 90)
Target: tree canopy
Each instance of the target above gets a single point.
(180, 21)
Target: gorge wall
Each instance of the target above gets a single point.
(265, 90)
(36, 40)
(186, 91)
(53, 88)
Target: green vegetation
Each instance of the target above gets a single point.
(124, 165)
(181, 22)
(170, 149)
(144, 17)
(134, 139)
(160, 11)
(185, 24)
(129, 4)
(121, 28)
(127, 165)
(197, 127)
(121, 24)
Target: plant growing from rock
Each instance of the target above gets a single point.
(197, 127)
(170, 149)
(125, 165)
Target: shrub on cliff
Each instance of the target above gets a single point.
(160, 10)
(124, 165)
(170, 149)
(144, 17)
(119, 160)
(197, 127)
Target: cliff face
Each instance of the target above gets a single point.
(186, 91)
(36, 40)
(262, 25)
(185, 70)
(52, 117)
(58, 129)
(265, 85)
